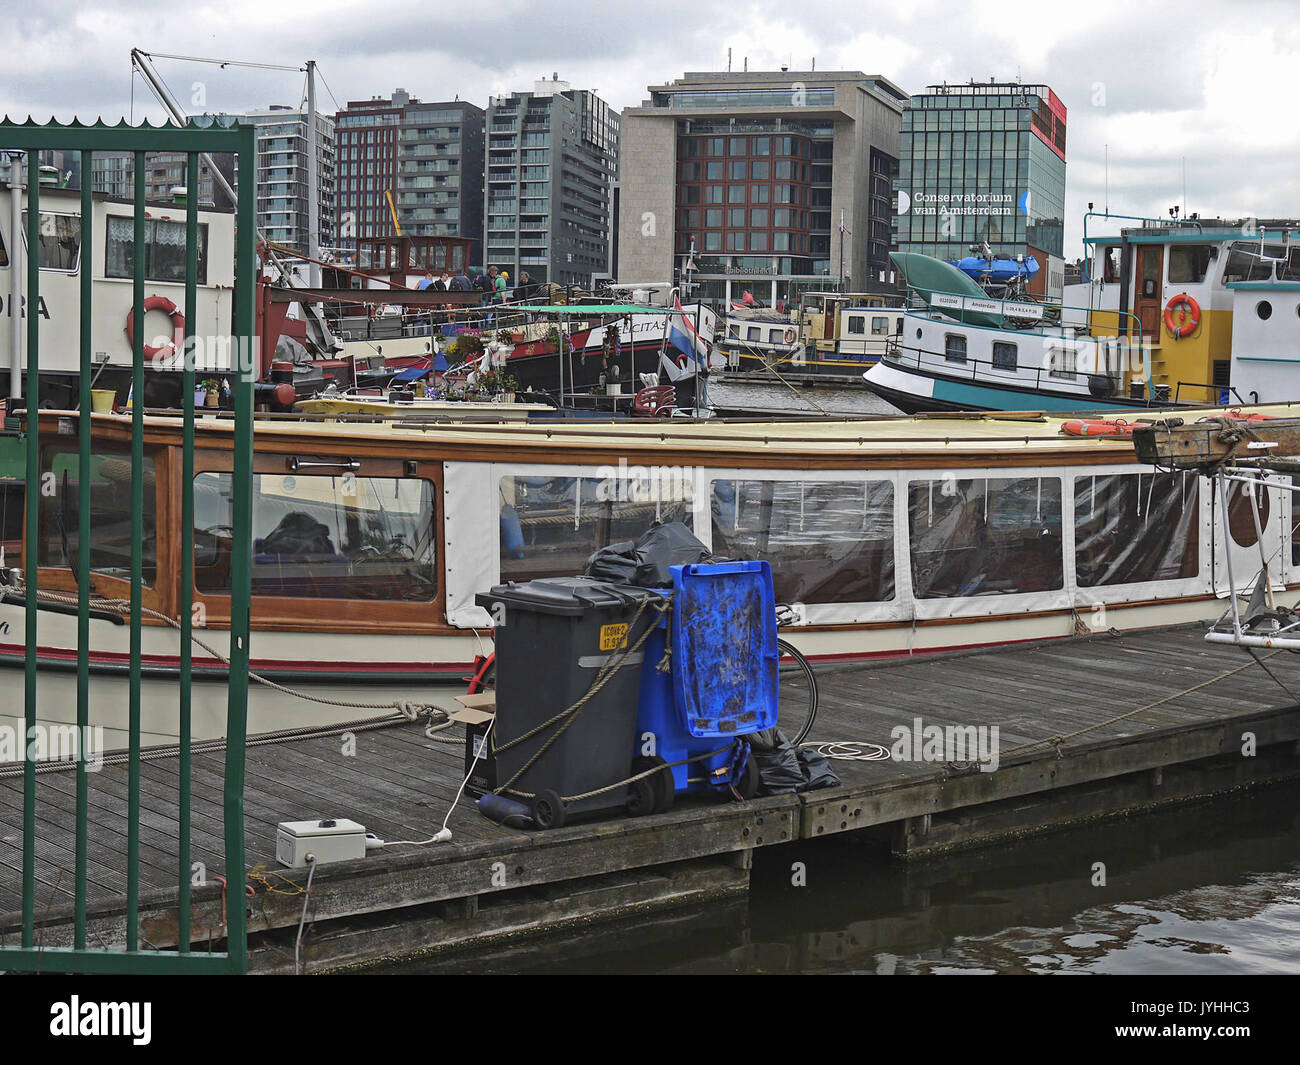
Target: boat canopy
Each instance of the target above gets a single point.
(927, 275)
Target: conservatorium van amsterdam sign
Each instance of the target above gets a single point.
(1005, 308)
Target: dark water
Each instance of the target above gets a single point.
(1211, 888)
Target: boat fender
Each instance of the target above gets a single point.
(159, 303)
(1189, 312)
(512, 532)
(502, 810)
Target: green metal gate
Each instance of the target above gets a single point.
(192, 140)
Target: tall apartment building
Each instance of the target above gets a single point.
(981, 162)
(427, 156)
(552, 162)
(282, 207)
(114, 174)
(782, 180)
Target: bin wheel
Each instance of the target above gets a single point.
(640, 798)
(548, 809)
(662, 782)
(747, 785)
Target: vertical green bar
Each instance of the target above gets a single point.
(30, 547)
(139, 252)
(187, 540)
(83, 547)
(241, 560)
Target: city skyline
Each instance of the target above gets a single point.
(1141, 109)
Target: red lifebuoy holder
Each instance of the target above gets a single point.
(159, 303)
(1189, 316)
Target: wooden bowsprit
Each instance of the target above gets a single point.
(1241, 449)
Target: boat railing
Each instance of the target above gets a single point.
(1044, 376)
(1021, 315)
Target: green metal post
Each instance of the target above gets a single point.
(84, 407)
(137, 563)
(31, 544)
(187, 541)
(241, 561)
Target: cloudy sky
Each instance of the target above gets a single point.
(1151, 83)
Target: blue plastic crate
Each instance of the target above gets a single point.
(724, 655)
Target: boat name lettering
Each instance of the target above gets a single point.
(9, 307)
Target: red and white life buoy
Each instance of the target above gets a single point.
(1189, 316)
(1098, 427)
(682, 362)
(790, 336)
(159, 303)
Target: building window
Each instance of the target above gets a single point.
(713, 217)
(713, 171)
(737, 170)
(712, 193)
(954, 347)
(758, 218)
(759, 169)
(735, 193)
(736, 217)
(762, 145)
(737, 146)
(758, 242)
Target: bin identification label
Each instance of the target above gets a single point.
(612, 637)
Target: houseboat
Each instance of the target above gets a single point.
(112, 270)
(1170, 313)
(888, 537)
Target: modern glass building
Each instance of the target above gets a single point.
(282, 207)
(985, 162)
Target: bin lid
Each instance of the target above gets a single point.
(724, 656)
(568, 596)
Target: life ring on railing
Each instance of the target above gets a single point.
(790, 336)
(1189, 316)
(682, 362)
(159, 303)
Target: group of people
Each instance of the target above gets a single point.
(494, 285)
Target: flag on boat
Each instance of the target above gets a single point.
(843, 227)
(683, 335)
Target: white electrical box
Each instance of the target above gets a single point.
(328, 840)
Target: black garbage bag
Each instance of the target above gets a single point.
(779, 772)
(784, 768)
(614, 562)
(646, 562)
(816, 771)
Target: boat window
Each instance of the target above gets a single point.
(13, 467)
(1295, 521)
(110, 512)
(1110, 263)
(879, 326)
(1246, 264)
(753, 333)
(775, 336)
(1287, 271)
(857, 324)
(164, 258)
(1133, 527)
(1062, 361)
(59, 242)
(1188, 263)
(4, 252)
(315, 537)
(826, 541)
(550, 526)
(733, 331)
(954, 347)
(985, 536)
(1004, 355)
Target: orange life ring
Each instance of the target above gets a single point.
(159, 303)
(1098, 427)
(1189, 316)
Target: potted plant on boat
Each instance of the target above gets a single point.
(211, 392)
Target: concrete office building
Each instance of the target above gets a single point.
(985, 161)
(282, 207)
(114, 174)
(552, 162)
(427, 156)
(782, 179)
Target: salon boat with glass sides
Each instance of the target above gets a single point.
(1169, 313)
(886, 537)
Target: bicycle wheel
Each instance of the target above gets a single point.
(797, 707)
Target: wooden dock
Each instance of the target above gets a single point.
(1209, 720)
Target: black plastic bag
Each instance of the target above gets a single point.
(646, 563)
(784, 768)
(816, 771)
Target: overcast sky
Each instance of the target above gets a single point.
(1209, 82)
